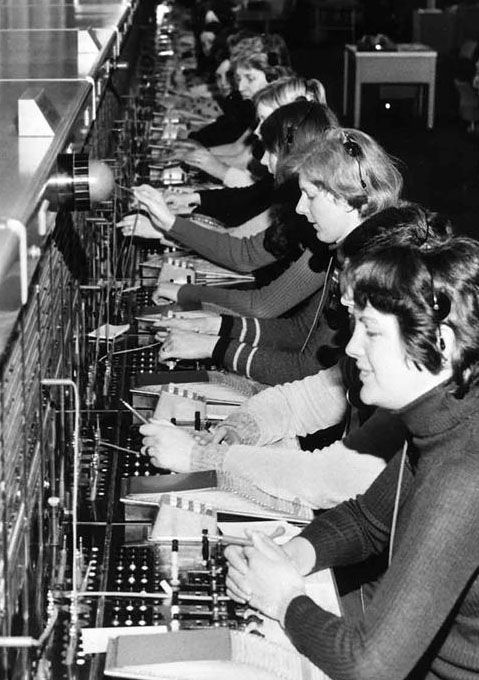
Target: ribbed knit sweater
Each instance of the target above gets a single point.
(239, 254)
(269, 350)
(422, 620)
(293, 286)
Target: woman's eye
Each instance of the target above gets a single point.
(372, 334)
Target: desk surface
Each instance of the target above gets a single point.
(403, 50)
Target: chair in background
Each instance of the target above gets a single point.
(465, 82)
(468, 103)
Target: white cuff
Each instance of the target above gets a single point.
(234, 177)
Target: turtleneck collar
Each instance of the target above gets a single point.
(438, 410)
(351, 243)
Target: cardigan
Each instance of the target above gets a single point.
(422, 618)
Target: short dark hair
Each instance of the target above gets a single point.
(301, 120)
(407, 222)
(424, 287)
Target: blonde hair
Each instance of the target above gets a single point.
(367, 177)
(287, 90)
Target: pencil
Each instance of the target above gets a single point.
(134, 411)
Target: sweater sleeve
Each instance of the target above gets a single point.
(297, 408)
(287, 333)
(265, 364)
(430, 572)
(322, 478)
(293, 286)
(235, 206)
(240, 254)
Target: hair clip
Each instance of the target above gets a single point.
(353, 150)
(441, 305)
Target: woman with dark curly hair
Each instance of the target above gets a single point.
(416, 345)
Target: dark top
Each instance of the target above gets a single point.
(422, 619)
(239, 115)
(235, 206)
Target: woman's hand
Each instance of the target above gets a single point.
(165, 290)
(209, 324)
(224, 434)
(205, 161)
(152, 200)
(169, 447)
(185, 345)
(263, 576)
(181, 202)
(138, 225)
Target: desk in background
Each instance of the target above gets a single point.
(410, 64)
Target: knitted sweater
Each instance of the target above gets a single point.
(422, 620)
(281, 350)
(322, 478)
(293, 286)
(240, 254)
(292, 409)
(269, 350)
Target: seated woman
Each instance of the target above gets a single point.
(234, 206)
(344, 178)
(249, 253)
(416, 345)
(275, 351)
(254, 431)
(254, 64)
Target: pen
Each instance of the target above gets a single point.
(225, 539)
(134, 411)
(239, 540)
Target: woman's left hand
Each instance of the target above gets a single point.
(186, 345)
(140, 226)
(204, 160)
(168, 447)
(263, 576)
(152, 200)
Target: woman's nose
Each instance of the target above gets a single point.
(353, 348)
(300, 207)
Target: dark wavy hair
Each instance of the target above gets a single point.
(300, 122)
(406, 223)
(425, 287)
(304, 120)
